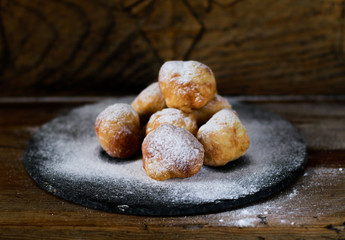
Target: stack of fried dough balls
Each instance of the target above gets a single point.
(184, 124)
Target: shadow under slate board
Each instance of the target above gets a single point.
(65, 158)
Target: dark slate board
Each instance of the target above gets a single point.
(65, 159)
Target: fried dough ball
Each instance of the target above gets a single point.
(118, 130)
(217, 103)
(224, 138)
(171, 152)
(186, 84)
(149, 101)
(174, 117)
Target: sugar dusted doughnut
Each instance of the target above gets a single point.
(206, 112)
(224, 138)
(174, 117)
(186, 84)
(118, 130)
(149, 101)
(171, 152)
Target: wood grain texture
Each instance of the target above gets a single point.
(105, 47)
(312, 208)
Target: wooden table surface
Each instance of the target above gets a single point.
(312, 208)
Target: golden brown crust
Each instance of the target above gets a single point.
(217, 103)
(118, 130)
(174, 117)
(149, 101)
(186, 85)
(171, 152)
(224, 138)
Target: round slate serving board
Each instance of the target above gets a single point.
(65, 158)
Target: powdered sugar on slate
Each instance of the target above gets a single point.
(65, 155)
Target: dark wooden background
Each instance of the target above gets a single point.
(108, 47)
(56, 55)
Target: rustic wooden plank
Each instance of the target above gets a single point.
(172, 33)
(54, 233)
(4, 53)
(31, 114)
(281, 46)
(312, 208)
(70, 42)
(302, 211)
(319, 123)
(106, 47)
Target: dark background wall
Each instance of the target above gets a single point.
(108, 47)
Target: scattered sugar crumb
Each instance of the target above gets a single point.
(294, 193)
(292, 208)
(246, 222)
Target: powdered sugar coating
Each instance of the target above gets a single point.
(170, 152)
(149, 91)
(119, 111)
(117, 128)
(64, 158)
(174, 117)
(224, 138)
(217, 122)
(187, 71)
(186, 85)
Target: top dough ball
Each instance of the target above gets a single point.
(186, 85)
